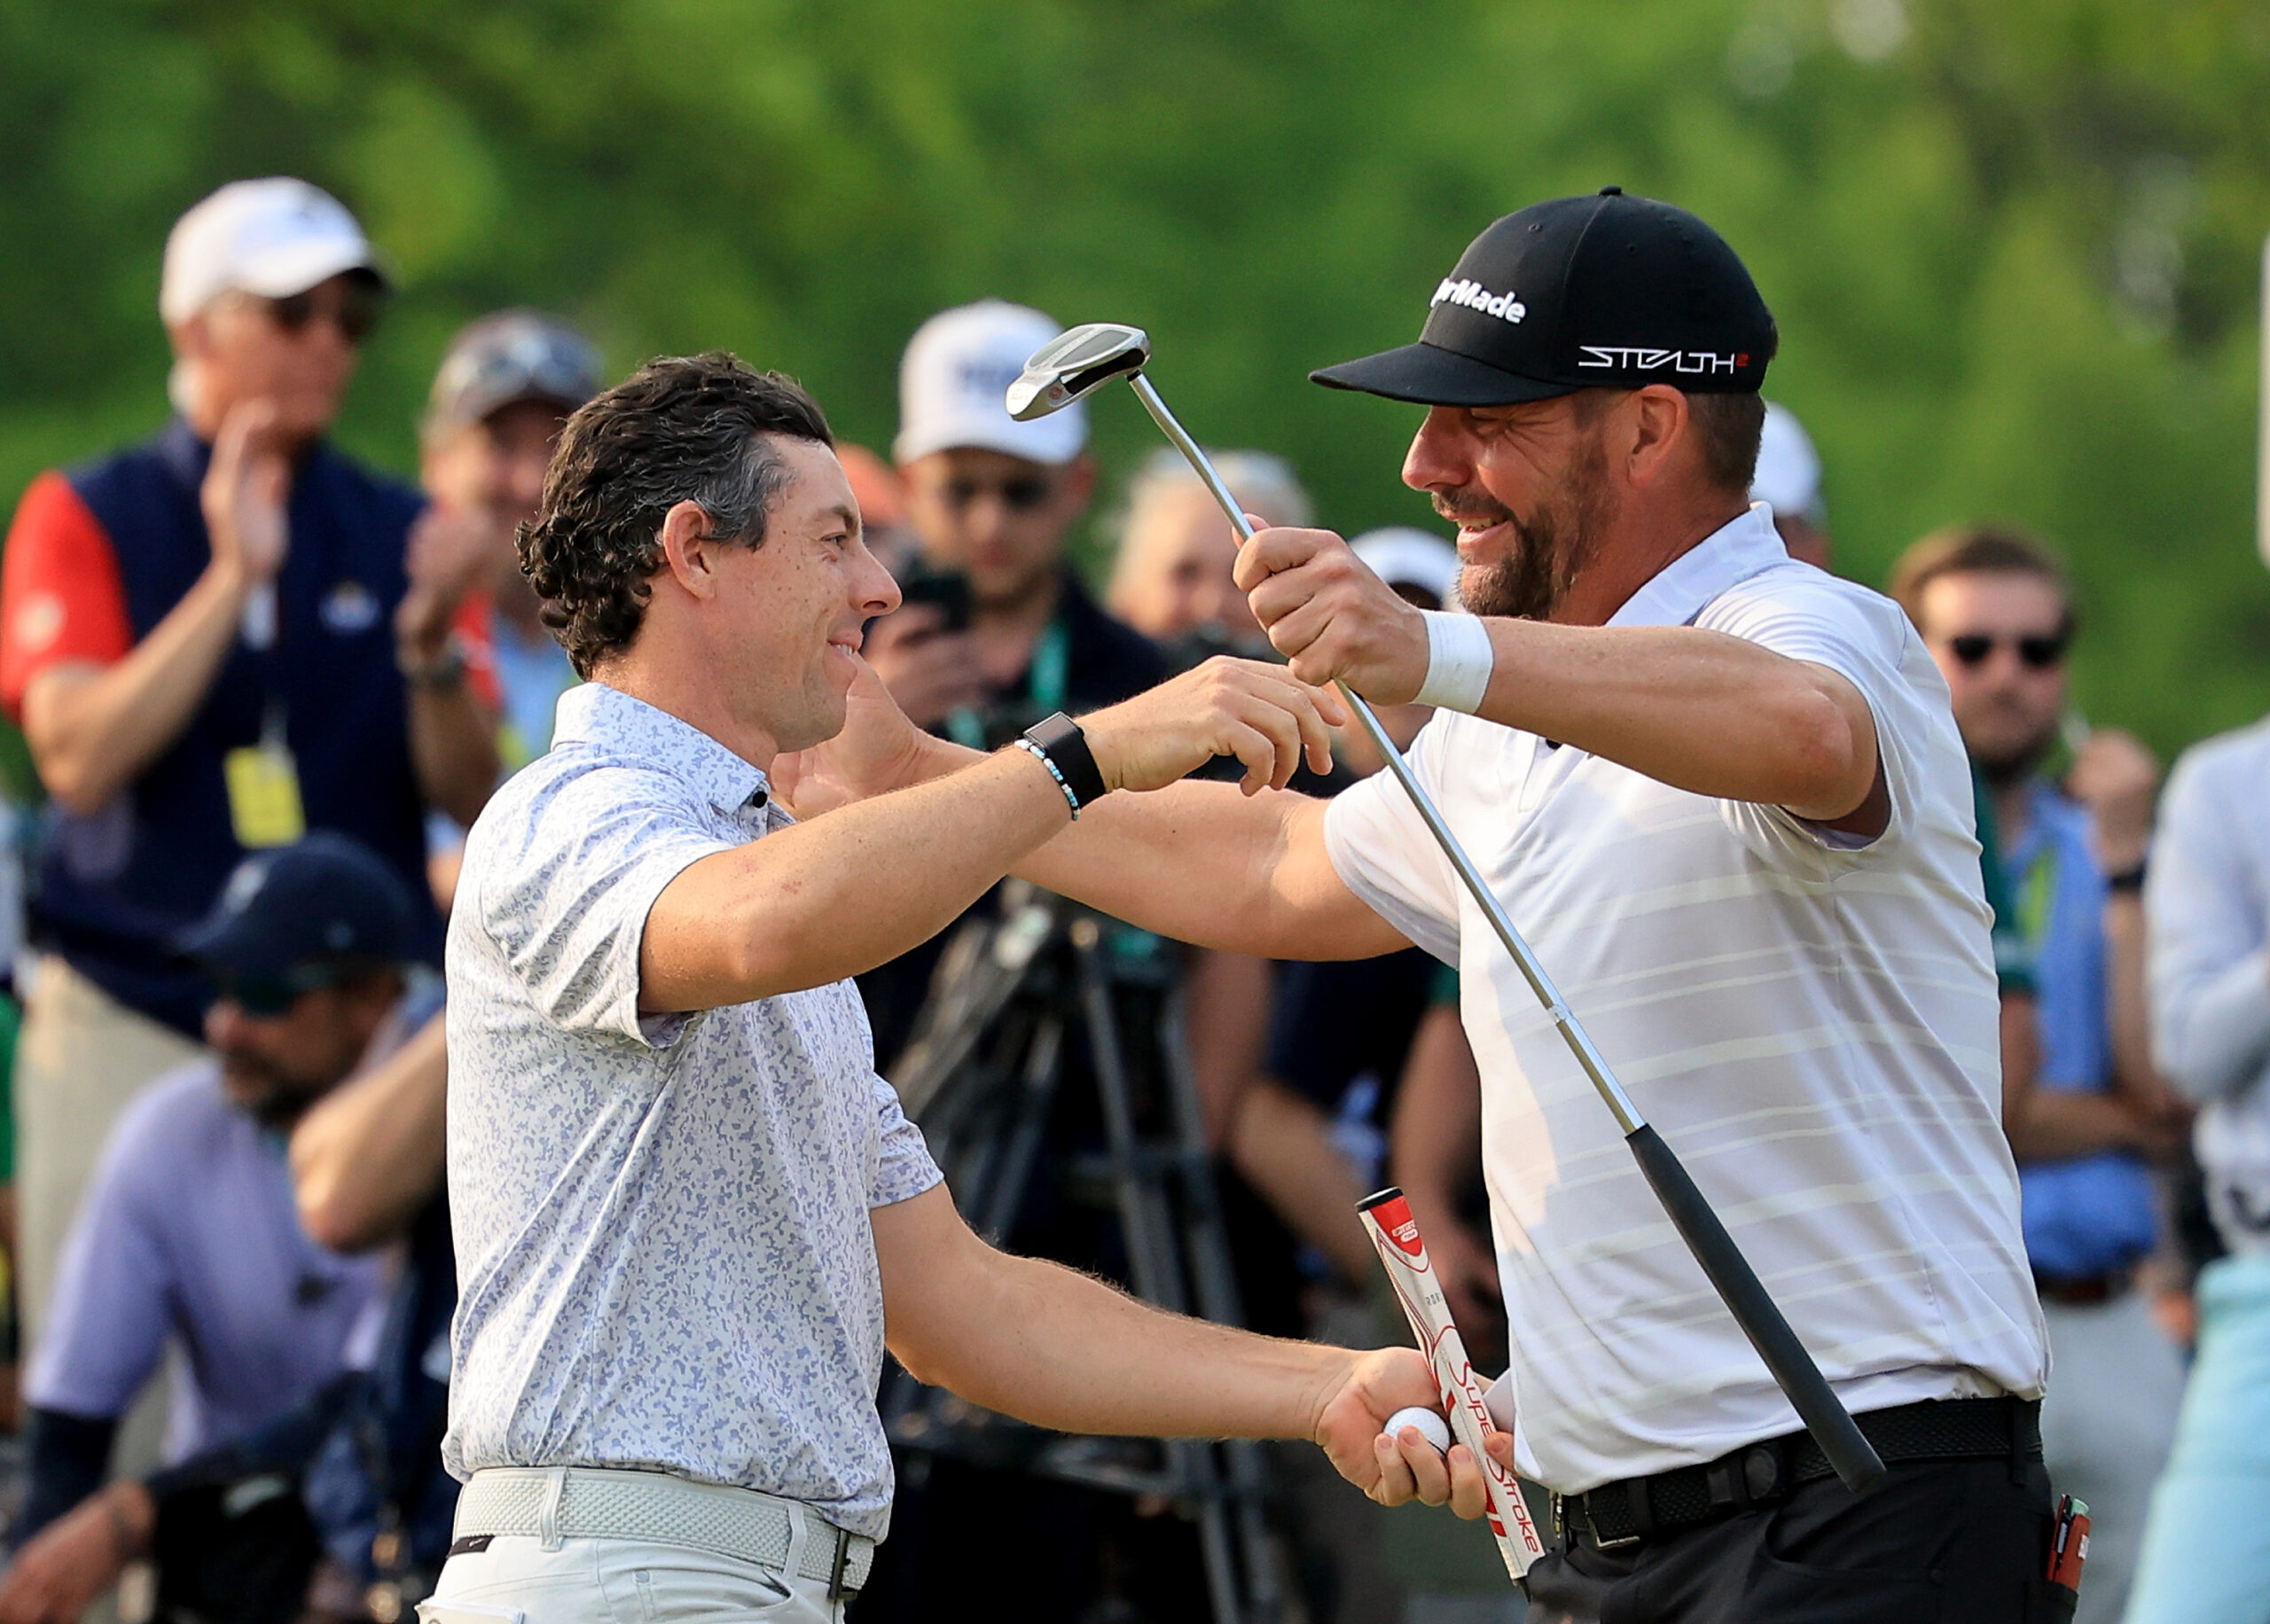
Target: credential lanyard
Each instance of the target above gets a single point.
(1046, 675)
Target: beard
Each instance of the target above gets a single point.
(2016, 763)
(1553, 545)
(270, 1096)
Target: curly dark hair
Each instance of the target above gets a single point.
(682, 428)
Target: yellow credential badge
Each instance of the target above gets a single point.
(265, 794)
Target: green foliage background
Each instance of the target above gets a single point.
(2012, 243)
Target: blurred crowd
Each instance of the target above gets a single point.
(266, 689)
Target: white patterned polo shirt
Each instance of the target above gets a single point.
(663, 1250)
(1809, 1019)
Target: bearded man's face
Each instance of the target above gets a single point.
(1528, 487)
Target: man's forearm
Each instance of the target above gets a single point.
(92, 729)
(2135, 1078)
(1698, 710)
(1203, 863)
(1039, 1341)
(369, 1154)
(2049, 1126)
(452, 748)
(846, 891)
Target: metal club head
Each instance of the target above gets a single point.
(1074, 364)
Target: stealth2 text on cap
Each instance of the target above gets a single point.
(1608, 290)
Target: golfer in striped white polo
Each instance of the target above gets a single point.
(1723, 793)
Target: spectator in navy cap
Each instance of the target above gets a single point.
(188, 1235)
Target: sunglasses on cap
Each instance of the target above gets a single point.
(264, 997)
(535, 364)
(353, 307)
(1974, 648)
(1020, 494)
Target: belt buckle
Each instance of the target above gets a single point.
(835, 1590)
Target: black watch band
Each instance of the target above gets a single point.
(2131, 879)
(1060, 739)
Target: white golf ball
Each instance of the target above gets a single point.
(1429, 1421)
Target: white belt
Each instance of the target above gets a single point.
(588, 1502)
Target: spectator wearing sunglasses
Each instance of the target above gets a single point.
(503, 393)
(197, 634)
(997, 631)
(190, 1236)
(1994, 607)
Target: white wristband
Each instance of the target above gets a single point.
(1459, 660)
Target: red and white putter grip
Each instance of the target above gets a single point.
(1403, 1252)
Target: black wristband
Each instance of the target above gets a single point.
(1060, 739)
(2129, 880)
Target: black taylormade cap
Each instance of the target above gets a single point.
(1608, 292)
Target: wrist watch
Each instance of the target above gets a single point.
(2129, 879)
(444, 671)
(1059, 742)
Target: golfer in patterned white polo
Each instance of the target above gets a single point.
(688, 1214)
(1723, 793)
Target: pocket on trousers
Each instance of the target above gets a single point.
(715, 1588)
(2050, 1604)
(433, 1612)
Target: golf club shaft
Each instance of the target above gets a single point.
(1800, 1379)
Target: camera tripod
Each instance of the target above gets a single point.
(1015, 1000)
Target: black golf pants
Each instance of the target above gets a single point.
(1943, 1542)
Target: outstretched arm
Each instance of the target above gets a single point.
(1041, 1342)
(1202, 863)
(1697, 709)
(862, 883)
(1241, 867)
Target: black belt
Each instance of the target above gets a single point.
(1623, 1513)
(2083, 1291)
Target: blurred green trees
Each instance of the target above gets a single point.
(2012, 243)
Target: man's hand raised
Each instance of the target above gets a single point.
(1261, 713)
(1328, 613)
(244, 494)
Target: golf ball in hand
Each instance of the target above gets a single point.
(1428, 1421)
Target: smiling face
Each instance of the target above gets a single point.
(788, 611)
(1528, 487)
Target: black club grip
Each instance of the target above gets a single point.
(1854, 1458)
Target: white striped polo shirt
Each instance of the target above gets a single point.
(1812, 1026)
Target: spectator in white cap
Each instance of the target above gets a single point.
(196, 634)
(998, 631)
(1788, 482)
(992, 503)
(1170, 578)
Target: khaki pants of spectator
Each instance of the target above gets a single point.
(82, 1056)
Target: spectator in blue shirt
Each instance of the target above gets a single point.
(191, 1235)
(1994, 608)
(205, 638)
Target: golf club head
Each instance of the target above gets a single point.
(1076, 363)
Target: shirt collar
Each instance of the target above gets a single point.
(1731, 554)
(598, 715)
